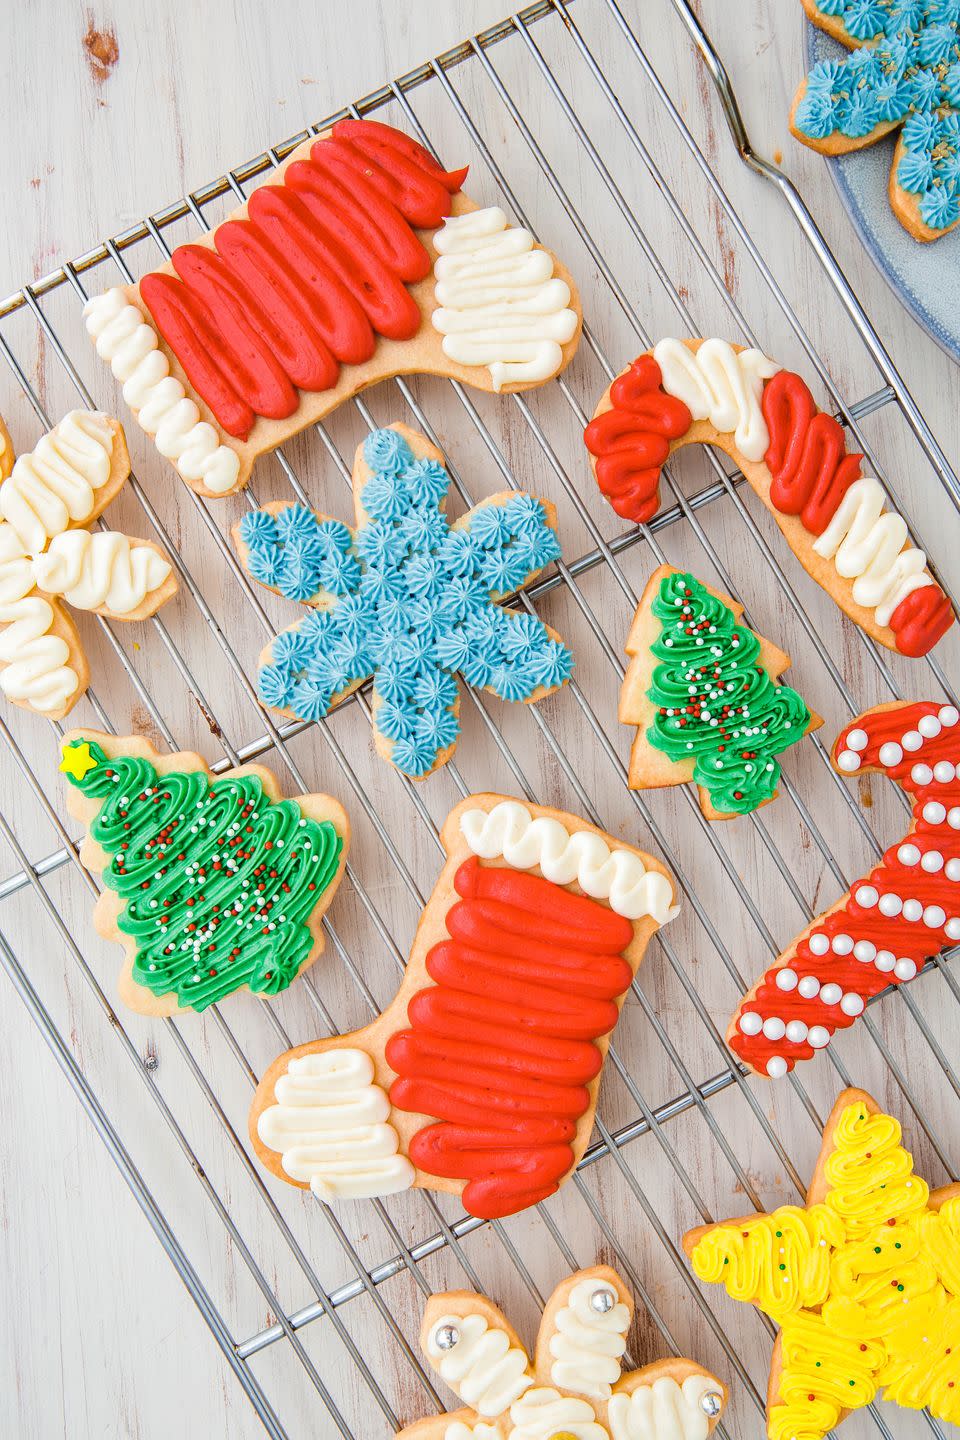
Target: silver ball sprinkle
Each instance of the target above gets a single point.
(711, 1403)
(603, 1301)
(446, 1337)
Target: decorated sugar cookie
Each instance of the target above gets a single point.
(700, 688)
(904, 72)
(406, 597)
(51, 555)
(574, 1386)
(880, 932)
(359, 260)
(864, 1280)
(213, 883)
(834, 518)
(481, 1077)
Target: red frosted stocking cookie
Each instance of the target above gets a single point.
(574, 1387)
(709, 392)
(903, 910)
(481, 1077)
(360, 259)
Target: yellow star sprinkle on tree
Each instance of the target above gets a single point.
(864, 1281)
(77, 760)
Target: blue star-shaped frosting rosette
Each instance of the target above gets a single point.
(905, 70)
(407, 598)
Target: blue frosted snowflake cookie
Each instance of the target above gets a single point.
(407, 598)
(904, 72)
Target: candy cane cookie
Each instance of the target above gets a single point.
(360, 259)
(834, 518)
(902, 911)
(481, 1077)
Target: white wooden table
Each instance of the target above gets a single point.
(97, 1335)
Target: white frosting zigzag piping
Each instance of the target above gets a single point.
(100, 568)
(482, 1367)
(618, 876)
(663, 1410)
(163, 410)
(588, 1344)
(330, 1127)
(865, 544)
(499, 302)
(56, 484)
(722, 385)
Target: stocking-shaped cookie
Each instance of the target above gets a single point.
(904, 71)
(881, 931)
(700, 690)
(212, 883)
(51, 554)
(708, 392)
(359, 260)
(407, 597)
(481, 1077)
(574, 1386)
(864, 1280)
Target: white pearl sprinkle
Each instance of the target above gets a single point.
(751, 1023)
(852, 1003)
(848, 761)
(932, 861)
(819, 944)
(776, 1067)
(774, 1028)
(944, 772)
(890, 905)
(952, 928)
(857, 740)
(921, 774)
(905, 969)
(929, 726)
(908, 854)
(818, 1036)
(842, 944)
(953, 817)
(885, 961)
(809, 987)
(952, 869)
(796, 1032)
(934, 813)
(865, 951)
(867, 896)
(912, 910)
(786, 978)
(934, 917)
(912, 740)
(830, 994)
(890, 753)
(949, 715)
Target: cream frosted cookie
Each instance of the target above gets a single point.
(406, 597)
(863, 1280)
(51, 555)
(700, 690)
(359, 260)
(835, 519)
(212, 883)
(890, 920)
(574, 1386)
(481, 1077)
(904, 71)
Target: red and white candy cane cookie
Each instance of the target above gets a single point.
(904, 910)
(794, 456)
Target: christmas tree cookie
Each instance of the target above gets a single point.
(864, 1280)
(213, 883)
(573, 1388)
(700, 687)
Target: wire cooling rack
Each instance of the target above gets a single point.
(316, 1310)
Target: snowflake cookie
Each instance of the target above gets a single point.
(406, 597)
(904, 71)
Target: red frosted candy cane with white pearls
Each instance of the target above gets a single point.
(890, 921)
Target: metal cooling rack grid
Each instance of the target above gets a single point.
(278, 1271)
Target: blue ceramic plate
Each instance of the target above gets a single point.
(916, 272)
